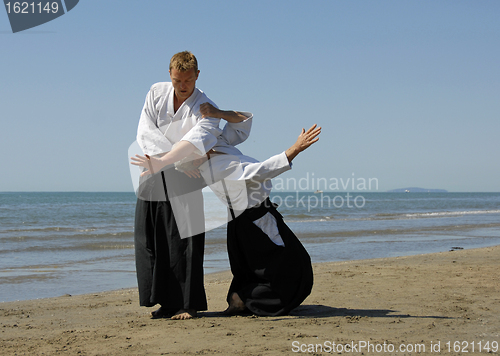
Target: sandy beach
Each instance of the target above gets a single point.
(447, 302)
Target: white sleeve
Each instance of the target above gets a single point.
(235, 133)
(261, 171)
(150, 138)
(203, 135)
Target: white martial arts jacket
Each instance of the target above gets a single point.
(159, 129)
(240, 181)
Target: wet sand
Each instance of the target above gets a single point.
(364, 307)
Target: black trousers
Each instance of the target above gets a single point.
(169, 269)
(270, 279)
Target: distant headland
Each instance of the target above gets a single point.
(417, 190)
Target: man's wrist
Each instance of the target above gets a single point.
(292, 152)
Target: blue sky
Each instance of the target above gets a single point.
(407, 92)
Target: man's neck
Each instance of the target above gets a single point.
(177, 103)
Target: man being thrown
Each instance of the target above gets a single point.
(169, 245)
(272, 271)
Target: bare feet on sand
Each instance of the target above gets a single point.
(185, 314)
(236, 305)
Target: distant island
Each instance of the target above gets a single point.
(417, 190)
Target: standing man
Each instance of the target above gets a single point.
(169, 226)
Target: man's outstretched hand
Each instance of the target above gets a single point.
(305, 139)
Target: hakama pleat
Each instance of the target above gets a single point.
(270, 279)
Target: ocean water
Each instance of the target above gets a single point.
(53, 244)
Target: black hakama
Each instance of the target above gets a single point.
(270, 279)
(169, 269)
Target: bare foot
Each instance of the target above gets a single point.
(185, 314)
(162, 312)
(236, 305)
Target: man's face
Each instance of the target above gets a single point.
(183, 82)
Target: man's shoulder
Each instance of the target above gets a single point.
(161, 88)
(200, 97)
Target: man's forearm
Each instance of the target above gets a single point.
(232, 116)
(180, 151)
(208, 110)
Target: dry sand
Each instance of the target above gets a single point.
(426, 300)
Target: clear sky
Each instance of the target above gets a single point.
(407, 92)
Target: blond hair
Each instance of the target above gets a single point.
(184, 61)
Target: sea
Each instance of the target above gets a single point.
(54, 244)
